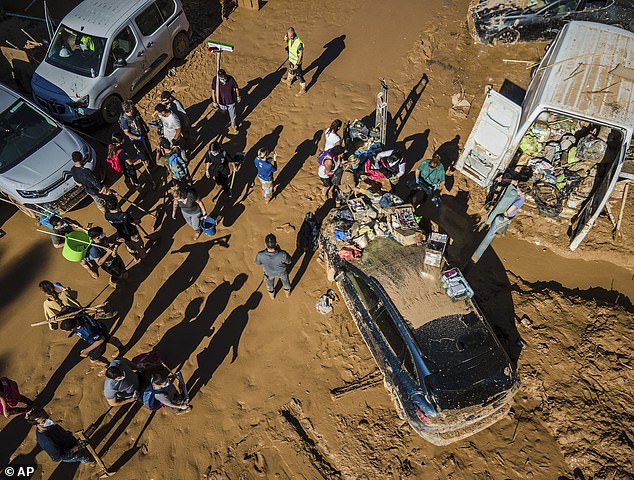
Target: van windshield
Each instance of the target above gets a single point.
(76, 52)
(23, 130)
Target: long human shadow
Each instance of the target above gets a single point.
(488, 277)
(306, 257)
(257, 89)
(226, 339)
(181, 279)
(19, 273)
(133, 450)
(245, 178)
(332, 50)
(303, 152)
(403, 113)
(182, 340)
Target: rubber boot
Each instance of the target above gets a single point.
(288, 80)
(302, 90)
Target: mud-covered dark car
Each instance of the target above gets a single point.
(509, 21)
(446, 371)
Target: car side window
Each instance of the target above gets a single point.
(368, 297)
(122, 46)
(395, 340)
(167, 8)
(149, 20)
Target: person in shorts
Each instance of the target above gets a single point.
(266, 167)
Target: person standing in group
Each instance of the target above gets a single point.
(218, 166)
(329, 169)
(430, 179)
(127, 231)
(332, 137)
(59, 299)
(121, 160)
(86, 178)
(295, 48)
(168, 99)
(276, 263)
(121, 385)
(191, 206)
(59, 444)
(266, 168)
(10, 397)
(172, 127)
(94, 334)
(500, 217)
(135, 128)
(102, 254)
(176, 165)
(225, 96)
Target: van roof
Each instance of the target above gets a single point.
(577, 74)
(101, 17)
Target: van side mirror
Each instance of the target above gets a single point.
(119, 62)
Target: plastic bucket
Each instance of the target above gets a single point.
(208, 226)
(75, 246)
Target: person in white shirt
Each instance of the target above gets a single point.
(172, 128)
(332, 135)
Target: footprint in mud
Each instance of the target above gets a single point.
(259, 462)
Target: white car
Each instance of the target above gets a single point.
(105, 51)
(35, 156)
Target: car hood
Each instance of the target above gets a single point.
(53, 158)
(491, 10)
(60, 84)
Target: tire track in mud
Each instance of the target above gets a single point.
(367, 381)
(311, 442)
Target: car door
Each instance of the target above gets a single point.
(125, 64)
(488, 148)
(155, 38)
(594, 206)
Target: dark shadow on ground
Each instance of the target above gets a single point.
(182, 340)
(181, 279)
(19, 274)
(332, 50)
(226, 339)
(303, 152)
(306, 257)
(257, 89)
(133, 450)
(403, 113)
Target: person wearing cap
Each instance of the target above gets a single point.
(500, 217)
(225, 95)
(295, 48)
(276, 263)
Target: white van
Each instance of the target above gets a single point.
(572, 130)
(35, 156)
(103, 52)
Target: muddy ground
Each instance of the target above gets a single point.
(280, 391)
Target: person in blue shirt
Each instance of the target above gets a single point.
(58, 443)
(500, 217)
(266, 169)
(94, 334)
(176, 164)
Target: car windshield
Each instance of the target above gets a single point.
(23, 130)
(76, 52)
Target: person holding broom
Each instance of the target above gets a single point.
(102, 254)
(127, 231)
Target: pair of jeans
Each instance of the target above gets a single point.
(231, 109)
(80, 456)
(498, 225)
(193, 219)
(270, 282)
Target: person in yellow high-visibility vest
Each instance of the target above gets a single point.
(295, 48)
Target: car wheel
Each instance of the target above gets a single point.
(111, 109)
(180, 45)
(507, 37)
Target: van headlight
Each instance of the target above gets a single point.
(81, 103)
(31, 193)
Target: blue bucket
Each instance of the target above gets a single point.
(208, 226)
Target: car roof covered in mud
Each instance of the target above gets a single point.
(587, 71)
(413, 287)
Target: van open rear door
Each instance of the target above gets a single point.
(594, 206)
(487, 149)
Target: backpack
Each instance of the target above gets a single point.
(321, 158)
(114, 162)
(149, 399)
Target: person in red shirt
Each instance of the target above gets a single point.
(225, 96)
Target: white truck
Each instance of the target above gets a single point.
(582, 93)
